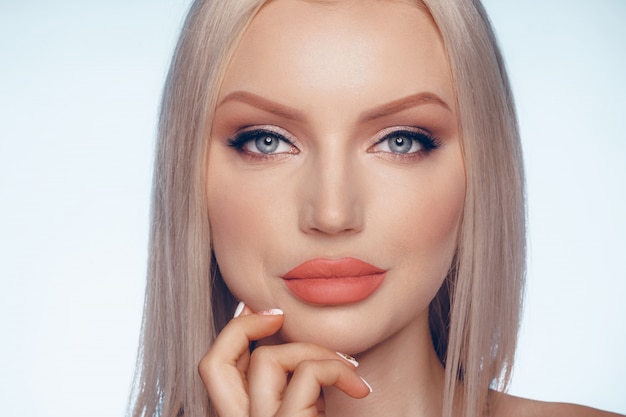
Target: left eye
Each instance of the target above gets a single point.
(400, 144)
(403, 142)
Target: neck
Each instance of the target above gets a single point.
(405, 374)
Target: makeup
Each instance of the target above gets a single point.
(334, 281)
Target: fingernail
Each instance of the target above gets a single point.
(367, 385)
(272, 312)
(239, 309)
(349, 359)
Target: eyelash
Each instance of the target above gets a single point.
(239, 141)
(426, 141)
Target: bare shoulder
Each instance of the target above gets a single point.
(505, 405)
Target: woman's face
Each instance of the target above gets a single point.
(335, 141)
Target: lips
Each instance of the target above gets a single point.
(334, 281)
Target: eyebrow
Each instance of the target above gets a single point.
(404, 103)
(287, 112)
(263, 104)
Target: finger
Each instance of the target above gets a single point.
(243, 361)
(270, 366)
(222, 367)
(236, 336)
(301, 397)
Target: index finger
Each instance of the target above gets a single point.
(224, 381)
(234, 340)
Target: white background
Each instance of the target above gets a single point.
(79, 92)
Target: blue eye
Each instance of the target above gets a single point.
(262, 142)
(406, 142)
(402, 144)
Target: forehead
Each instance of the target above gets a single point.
(331, 50)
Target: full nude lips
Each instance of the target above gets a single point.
(334, 281)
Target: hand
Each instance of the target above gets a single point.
(275, 381)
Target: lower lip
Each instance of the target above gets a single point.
(335, 290)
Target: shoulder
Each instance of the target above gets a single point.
(505, 405)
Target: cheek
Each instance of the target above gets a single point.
(233, 215)
(425, 237)
(233, 224)
(243, 216)
(442, 213)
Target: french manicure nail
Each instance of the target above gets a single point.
(272, 312)
(349, 359)
(239, 309)
(367, 385)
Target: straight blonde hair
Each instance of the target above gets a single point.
(474, 318)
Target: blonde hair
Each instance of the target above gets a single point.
(474, 318)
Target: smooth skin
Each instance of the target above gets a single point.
(335, 135)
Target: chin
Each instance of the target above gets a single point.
(340, 341)
(337, 331)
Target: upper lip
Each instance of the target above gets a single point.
(332, 268)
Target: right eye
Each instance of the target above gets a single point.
(262, 142)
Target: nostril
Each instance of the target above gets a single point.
(331, 198)
(332, 217)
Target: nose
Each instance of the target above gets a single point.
(332, 197)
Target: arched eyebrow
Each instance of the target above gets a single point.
(290, 113)
(404, 103)
(264, 104)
